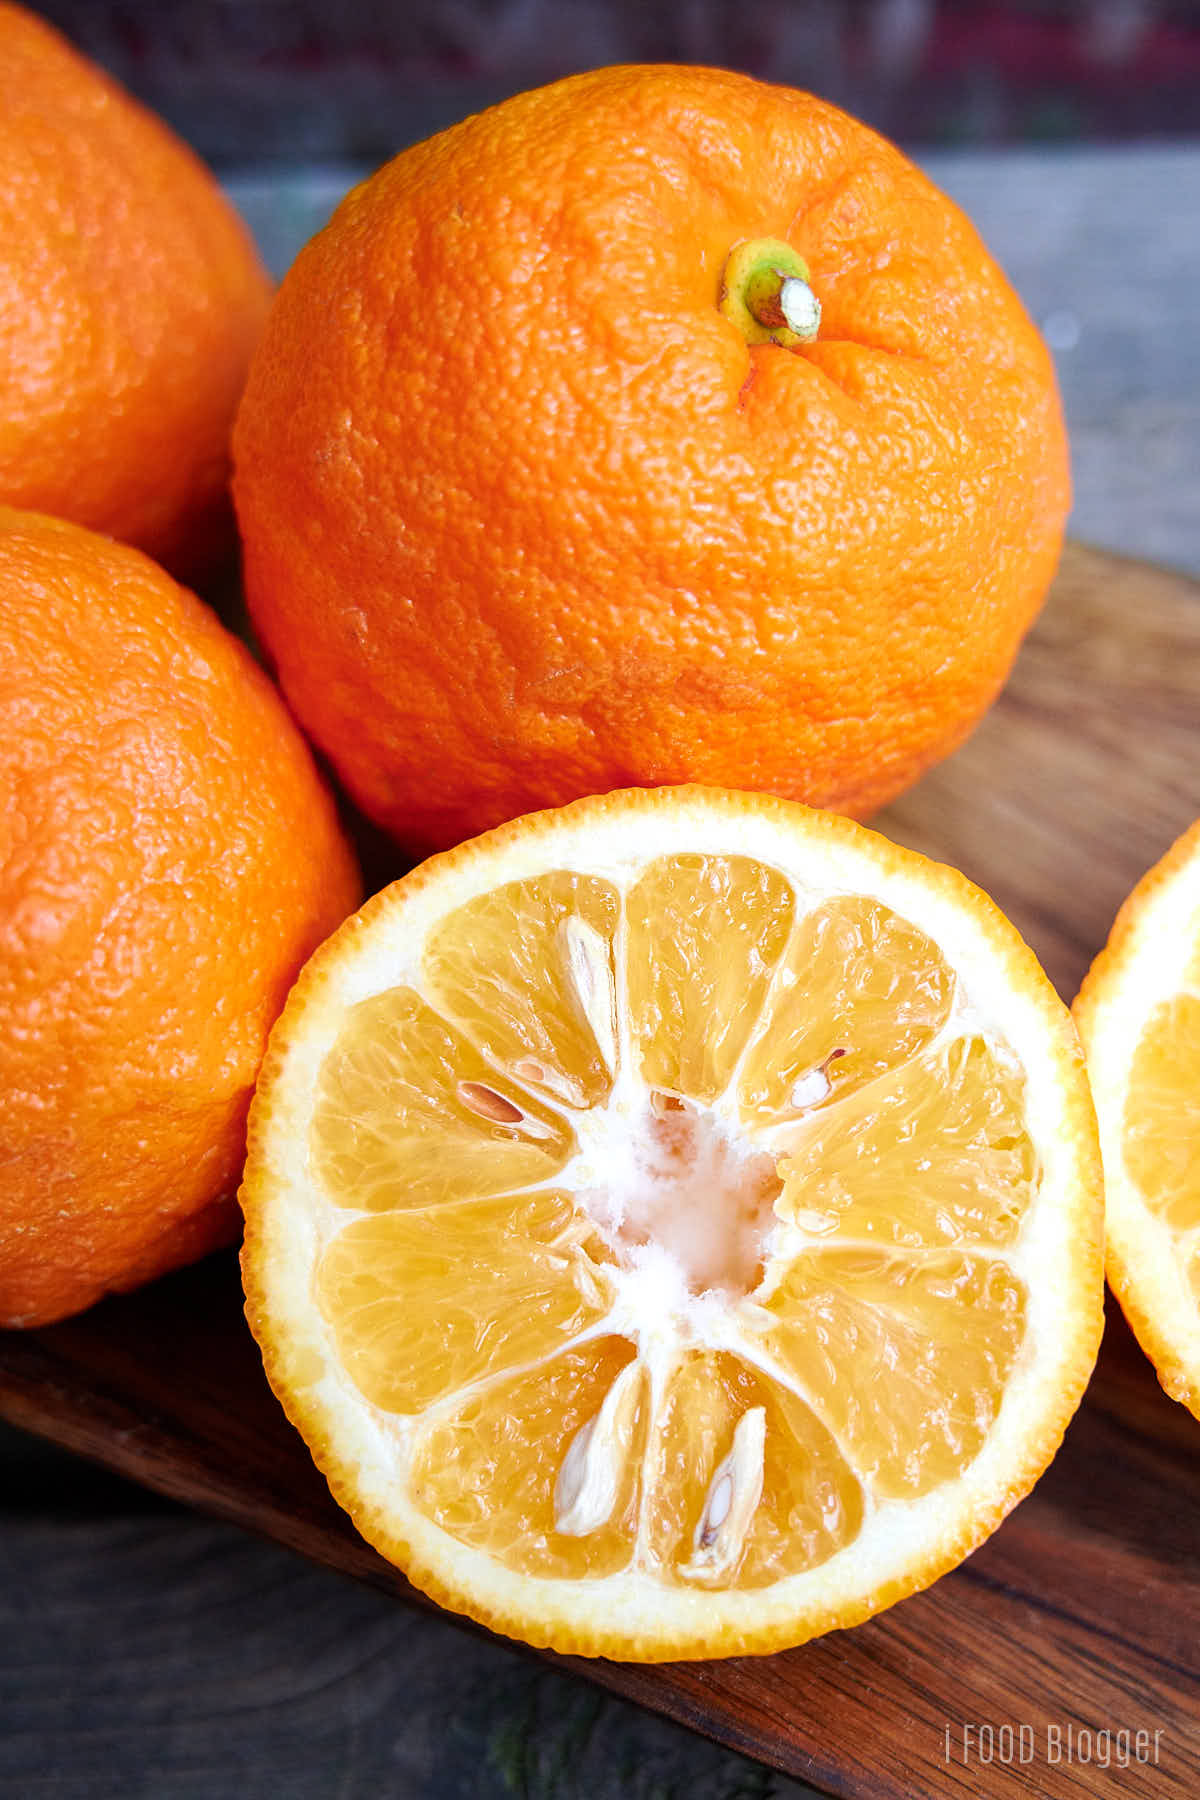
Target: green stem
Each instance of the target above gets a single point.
(766, 293)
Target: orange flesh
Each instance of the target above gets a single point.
(1162, 1113)
(809, 1146)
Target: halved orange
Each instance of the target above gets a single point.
(674, 1222)
(1139, 1016)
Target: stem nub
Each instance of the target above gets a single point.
(765, 292)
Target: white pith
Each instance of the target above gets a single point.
(709, 1210)
(653, 1303)
(1153, 1258)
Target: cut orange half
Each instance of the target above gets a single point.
(1139, 1016)
(674, 1223)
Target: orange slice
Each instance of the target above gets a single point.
(674, 1223)
(1139, 1016)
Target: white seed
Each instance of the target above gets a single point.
(814, 1087)
(591, 975)
(733, 1496)
(811, 1089)
(589, 1480)
(718, 1507)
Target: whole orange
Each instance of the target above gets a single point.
(130, 300)
(539, 497)
(168, 859)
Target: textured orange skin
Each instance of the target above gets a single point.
(168, 858)
(525, 517)
(130, 301)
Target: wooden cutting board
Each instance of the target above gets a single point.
(1083, 1610)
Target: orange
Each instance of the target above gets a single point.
(168, 858)
(130, 300)
(674, 1222)
(537, 502)
(1139, 1016)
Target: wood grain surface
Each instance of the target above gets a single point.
(1083, 1610)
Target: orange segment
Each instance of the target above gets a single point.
(487, 1474)
(505, 1280)
(503, 965)
(1162, 1110)
(704, 936)
(810, 1503)
(859, 991)
(409, 1113)
(932, 1341)
(938, 1153)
